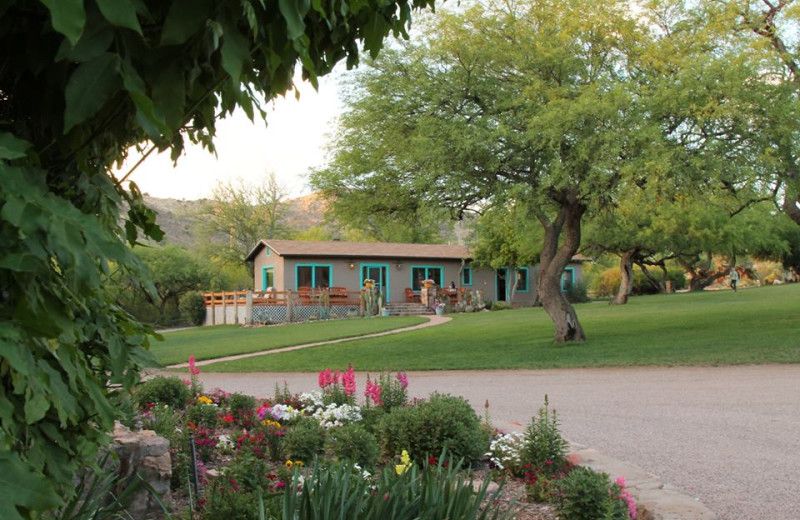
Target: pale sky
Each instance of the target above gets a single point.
(292, 142)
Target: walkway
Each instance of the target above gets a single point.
(432, 322)
(727, 435)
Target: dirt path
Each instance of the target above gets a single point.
(432, 322)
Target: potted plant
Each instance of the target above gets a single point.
(369, 282)
(428, 283)
(439, 308)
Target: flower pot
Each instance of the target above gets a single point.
(385, 313)
(439, 311)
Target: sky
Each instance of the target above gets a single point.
(292, 142)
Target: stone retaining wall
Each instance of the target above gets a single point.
(148, 454)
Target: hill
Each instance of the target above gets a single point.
(179, 218)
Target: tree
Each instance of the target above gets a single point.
(173, 273)
(82, 82)
(506, 236)
(244, 214)
(506, 94)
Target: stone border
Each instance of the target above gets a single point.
(655, 500)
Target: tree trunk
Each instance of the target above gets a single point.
(554, 258)
(625, 278)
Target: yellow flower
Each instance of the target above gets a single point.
(406, 463)
(299, 463)
(204, 400)
(289, 464)
(267, 422)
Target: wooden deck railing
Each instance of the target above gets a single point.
(324, 297)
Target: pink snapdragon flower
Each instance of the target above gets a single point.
(349, 381)
(325, 378)
(373, 392)
(626, 496)
(403, 378)
(194, 371)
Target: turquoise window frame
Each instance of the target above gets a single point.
(571, 271)
(386, 282)
(466, 276)
(527, 286)
(264, 270)
(269, 251)
(313, 274)
(427, 273)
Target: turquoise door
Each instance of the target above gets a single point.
(379, 273)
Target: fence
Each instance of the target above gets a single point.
(248, 307)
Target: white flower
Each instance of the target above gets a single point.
(282, 412)
(332, 415)
(504, 450)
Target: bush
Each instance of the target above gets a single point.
(427, 428)
(499, 306)
(576, 293)
(193, 308)
(354, 442)
(171, 391)
(304, 441)
(543, 447)
(202, 414)
(243, 408)
(585, 494)
(605, 284)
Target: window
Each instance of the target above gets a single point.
(269, 251)
(313, 275)
(567, 278)
(523, 279)
(424, 272)
(267, 277)
(466, 276)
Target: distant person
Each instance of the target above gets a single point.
(734, 278)
(452, 285)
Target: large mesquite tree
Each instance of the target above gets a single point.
(535, 96)
(81, 81)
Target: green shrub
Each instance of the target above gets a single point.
(430, 426)
(171, 391)
(354, 442)
(304, 441)
(202, 414)
(243, 408)
(605, 284)
(543, 447)
(576, 293)
(193, 308)
(226, 498)
(585, 494)
(499, 306)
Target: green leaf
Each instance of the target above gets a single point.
(19, 486)
(120, 13)
(68, 17)
(293, 12)
(96, 39)
(235, 51)
(146, 114)
(185, 19)
(12, 147)
(89, 88)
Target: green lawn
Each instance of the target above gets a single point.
(227, 340)
(710, 328)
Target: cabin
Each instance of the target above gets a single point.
(396, 270)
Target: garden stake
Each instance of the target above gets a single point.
(194, 465)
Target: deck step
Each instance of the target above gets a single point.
(408, 309)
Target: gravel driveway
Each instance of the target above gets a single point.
(728, 435)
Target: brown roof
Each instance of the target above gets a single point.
(368, 250)
(361, 249)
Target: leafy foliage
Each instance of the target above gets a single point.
(442, 422)
(82, 82)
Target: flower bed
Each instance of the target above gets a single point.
(310, 455)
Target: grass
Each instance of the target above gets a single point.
(752, 326)
(228, 340)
